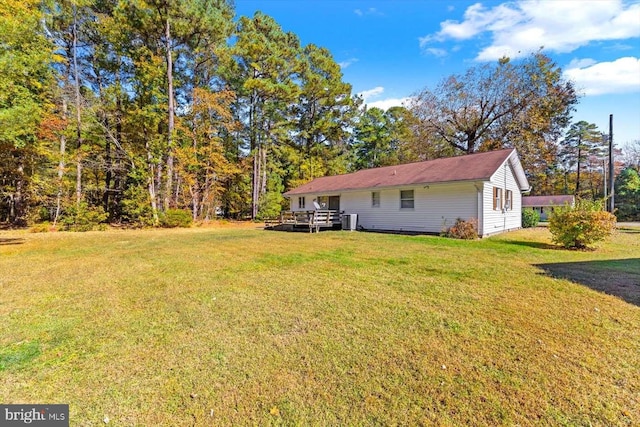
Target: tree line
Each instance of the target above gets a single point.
(131, 109)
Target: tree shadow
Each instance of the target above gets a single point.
(11, 241)
(620, 277)
(531, 244)
(629, 230)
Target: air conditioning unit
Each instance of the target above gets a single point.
(349, 222)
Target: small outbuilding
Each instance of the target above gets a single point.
(424, 197)
(544, 205)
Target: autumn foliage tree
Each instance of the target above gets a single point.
(25, 105)
(127, 111)
(523, 104)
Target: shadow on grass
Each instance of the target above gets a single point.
(629, 230)
(620, 277)
(530, 244)
(11, 241)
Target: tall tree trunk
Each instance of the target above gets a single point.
(108, 159)
(158, 187)
(151, 187)
(61, 165)
(254, 147)
(256, 183)
(78, 107)
(118, 182)
(194, 189)
(205, 205)
(18, 196)
(169, 185)
(578, 172)
(263, 182)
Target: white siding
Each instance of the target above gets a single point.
(497, 221)
(435, 207)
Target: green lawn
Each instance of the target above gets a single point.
(244, 326)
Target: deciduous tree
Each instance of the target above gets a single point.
(25, 102)
(524, 104)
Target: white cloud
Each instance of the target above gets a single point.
(581, 63)
(619, 76)
(369, 11)
(435, 51)
(346, 63)
(524, 26)
(385, 104)
(371, 93)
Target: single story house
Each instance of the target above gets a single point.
(544, 205)
(425, 197)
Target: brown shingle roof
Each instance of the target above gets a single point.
(530, 201)
(479, 166)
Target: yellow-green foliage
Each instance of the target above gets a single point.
(530, 218)
(176, 218)
(82, 217)
(582, 225)
(41, 227)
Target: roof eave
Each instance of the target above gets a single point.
(386, 187)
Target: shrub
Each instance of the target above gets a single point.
(41, 227)
(82, 217)
(582, 225)
(136, 207)
(462, 229)
(530, 218)
(172, 218)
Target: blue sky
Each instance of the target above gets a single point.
(388, 50)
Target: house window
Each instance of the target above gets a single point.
(406, 199)
(497, 198)
(300, 202)
(508, 200)
(375, 199)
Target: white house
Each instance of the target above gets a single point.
(425, 197)
(545, 205)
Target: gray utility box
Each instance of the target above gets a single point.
(349, 222)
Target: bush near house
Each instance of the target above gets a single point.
(581, 226)
(530, 218)
(467, 230)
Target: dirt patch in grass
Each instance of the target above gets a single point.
(614, 277)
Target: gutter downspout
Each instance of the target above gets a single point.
(504, 197)
(479, 206)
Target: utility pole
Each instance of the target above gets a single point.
(611, 203)
(604, 179)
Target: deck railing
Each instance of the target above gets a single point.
(313, 219)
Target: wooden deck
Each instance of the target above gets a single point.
(303, 220)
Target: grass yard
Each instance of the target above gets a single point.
(210, 326)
